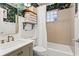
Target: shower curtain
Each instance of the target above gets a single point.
(41, 26)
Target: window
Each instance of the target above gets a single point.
(52, 16)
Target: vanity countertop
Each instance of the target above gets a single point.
(11, 46)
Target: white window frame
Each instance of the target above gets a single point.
(52, 16)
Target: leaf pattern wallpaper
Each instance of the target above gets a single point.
(11, 12)
(59, 6)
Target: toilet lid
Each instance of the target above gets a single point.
(39, 49)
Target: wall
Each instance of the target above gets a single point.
(20, 34)
(77, 32)
(29, 34)
(77, 24)
(6, 28)
(10, 28)
(25, 34)
(62, 30)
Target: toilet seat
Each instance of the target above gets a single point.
(39, 51)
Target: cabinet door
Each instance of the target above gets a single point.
(27, 50)
(31, 49)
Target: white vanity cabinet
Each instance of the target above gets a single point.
(23, 51)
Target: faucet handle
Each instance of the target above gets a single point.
(8, 39)
(2, 41)
(12, 38)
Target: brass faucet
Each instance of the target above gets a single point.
(10, 37)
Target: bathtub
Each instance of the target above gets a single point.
(55, 49)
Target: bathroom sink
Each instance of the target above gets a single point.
(8, 47)
(10, 44)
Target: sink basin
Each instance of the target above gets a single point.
(10, 44)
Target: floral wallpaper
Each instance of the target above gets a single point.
(10, 11)
(59, 6)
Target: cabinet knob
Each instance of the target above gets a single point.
(21, 52)
(18, 54)
(2, 41)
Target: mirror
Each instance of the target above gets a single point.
(8, 17)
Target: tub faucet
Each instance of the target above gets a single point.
(10, 37)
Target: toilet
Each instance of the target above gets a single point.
(39, 51)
